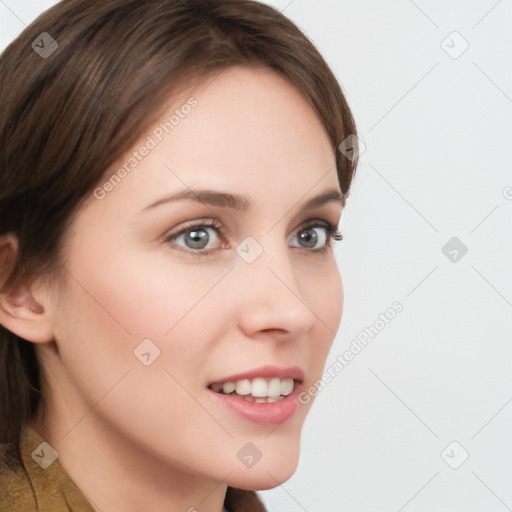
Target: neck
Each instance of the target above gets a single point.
(115, 474)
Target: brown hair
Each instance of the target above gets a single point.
(67, 114)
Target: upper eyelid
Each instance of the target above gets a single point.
(210, 223)
(199, 224)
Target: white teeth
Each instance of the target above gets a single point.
(243, 387)
(264, 400)
(274, 387)
(286, 386)
(258, 387)
(228, 387)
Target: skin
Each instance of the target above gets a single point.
(136, 437)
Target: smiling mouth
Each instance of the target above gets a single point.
(258, 390)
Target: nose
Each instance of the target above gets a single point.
(271, 298)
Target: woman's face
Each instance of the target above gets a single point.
(150, 318)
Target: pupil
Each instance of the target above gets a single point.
(311, 238)
(198, 239)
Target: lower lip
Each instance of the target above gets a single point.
(271, 413)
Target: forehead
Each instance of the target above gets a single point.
(245, 130)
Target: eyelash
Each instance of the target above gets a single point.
(332, 234)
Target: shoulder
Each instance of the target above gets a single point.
(16, 494)
(41, 483)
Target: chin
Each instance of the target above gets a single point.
(261, 480)
(269, 472)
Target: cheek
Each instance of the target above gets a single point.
(147, 295)
(109, 309)
(325, 298)
(323, 291)
(124, 308)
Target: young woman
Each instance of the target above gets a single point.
(170, 187)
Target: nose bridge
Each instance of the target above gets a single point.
(266, 262)
(272, 298)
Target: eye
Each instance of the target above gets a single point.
(317, 236)
(201, 238)
(197, 238)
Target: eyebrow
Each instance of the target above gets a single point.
(236, 201)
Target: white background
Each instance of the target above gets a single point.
(437, 165)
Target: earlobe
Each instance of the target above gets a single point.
(20, 312)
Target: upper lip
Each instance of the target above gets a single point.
(281, 372)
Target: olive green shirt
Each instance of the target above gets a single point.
(37, 489)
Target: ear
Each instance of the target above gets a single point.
(20, 312)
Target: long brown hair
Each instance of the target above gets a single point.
(79, 86)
